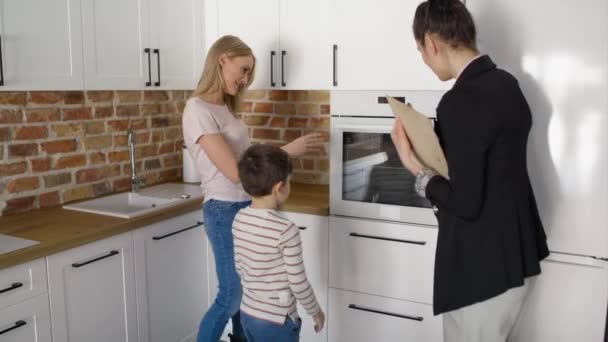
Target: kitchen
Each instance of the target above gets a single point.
(79, 74)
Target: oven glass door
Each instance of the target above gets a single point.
(368, 178)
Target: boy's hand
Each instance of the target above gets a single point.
(319, 319)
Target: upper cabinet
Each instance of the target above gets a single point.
(41, 45)
(374, 47)
(147, 44)
(288, 39)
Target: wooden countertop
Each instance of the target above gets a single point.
(58, 229)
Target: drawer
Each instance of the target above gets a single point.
(356, 317)
(386, 259)
(21, 282)
(27, 321)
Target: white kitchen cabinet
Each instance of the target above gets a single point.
(314, 232)
(381, 258)
(160, 46)
(92, 292)
(357, 317)
(375, 49)
(22, 282)
(41, 45)
(289, 40)
(171, 278)
(567, 301)
(28, 321)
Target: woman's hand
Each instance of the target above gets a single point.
(305, 144)
(404, 148)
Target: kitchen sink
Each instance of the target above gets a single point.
(11, 243)
(132, 204)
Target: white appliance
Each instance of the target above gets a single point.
(367, 179)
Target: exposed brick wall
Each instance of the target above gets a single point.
(57, 147)
(280, 116)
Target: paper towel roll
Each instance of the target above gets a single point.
(190, 172)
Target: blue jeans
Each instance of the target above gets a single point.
(259, 330)
(218, 217)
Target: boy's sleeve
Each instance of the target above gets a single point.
(291, 248)
(196, 122)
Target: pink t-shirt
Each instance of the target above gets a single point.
(200, 118)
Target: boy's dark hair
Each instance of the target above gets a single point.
(261, 167)
(448, 19)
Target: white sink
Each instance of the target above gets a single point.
(130, 204)
(10, 243)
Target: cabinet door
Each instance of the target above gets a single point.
(314, 232)
(27, 321)
(177, 40)
(375, 47)
(92, 292)
(306, 53)
(41, 44)
(566, 302)
(115, 35)
(22, 282)
(171, 278)
(257, 24)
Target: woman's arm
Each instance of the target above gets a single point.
(220, 155)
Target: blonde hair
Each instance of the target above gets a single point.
(212, 79)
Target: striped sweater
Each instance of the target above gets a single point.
(268, 256)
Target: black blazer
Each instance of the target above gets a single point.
(490, 233)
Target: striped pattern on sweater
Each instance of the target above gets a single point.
(268, 256)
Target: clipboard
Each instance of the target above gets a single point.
(419, 130)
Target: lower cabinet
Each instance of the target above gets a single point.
(92, 292)
(357, 317)
(28, 321)
(171, 279)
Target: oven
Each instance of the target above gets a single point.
(367, 179)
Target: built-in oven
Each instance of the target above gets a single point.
(367, 179)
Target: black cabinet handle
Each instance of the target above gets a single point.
(283, 53)
(156, 238)
(361, 308)
(17, 325)
(1, 65)
(272, 84)
(12, 287)
(412, 242)
(302, 227)
(77, 265)
(149, 83)
(335, 73)
(157, 52)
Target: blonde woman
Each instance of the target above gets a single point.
(216, 139)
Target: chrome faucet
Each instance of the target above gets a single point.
(135, 181)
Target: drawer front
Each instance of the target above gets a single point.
(386, 259)
(27, 321)
(356, 317)
(21, 282)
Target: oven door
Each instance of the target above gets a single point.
(367, 178)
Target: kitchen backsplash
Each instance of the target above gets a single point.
(58, 147)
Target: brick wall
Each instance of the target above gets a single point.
(57, 147)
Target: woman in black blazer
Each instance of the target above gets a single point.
(490, 234)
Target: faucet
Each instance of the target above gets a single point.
(135, 181)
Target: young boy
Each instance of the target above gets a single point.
(268, 252)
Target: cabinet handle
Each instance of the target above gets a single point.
(283, 53)
(77, 265)
(272, 84)
(149, 83)
(156, 238)
(1, 65)
(302, 227)
(412, 242)
(335, 71)
(17, 325)
(361, 308)
(157, 52)
(12, 287)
